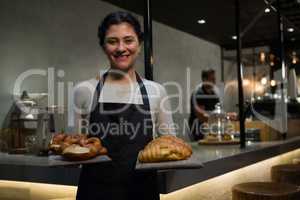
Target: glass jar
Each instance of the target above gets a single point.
(217, 122)
(31, 144)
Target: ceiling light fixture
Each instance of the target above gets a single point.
(201, 21)
(272, 83)
(234, 37)
(290, 30)
(267, 10)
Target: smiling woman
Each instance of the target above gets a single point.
(120, 99)
(121, 46)
(121, 37)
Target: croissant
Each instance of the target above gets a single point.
(165, 148)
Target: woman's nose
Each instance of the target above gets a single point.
(121, 46)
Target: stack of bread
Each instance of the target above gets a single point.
(76, 146)
(165, 148)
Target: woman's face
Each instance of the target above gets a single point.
(121, 46)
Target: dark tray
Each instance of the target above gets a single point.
(223, 142)
(190, 163)
(58, 160)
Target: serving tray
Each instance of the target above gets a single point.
(223, 142)
(58, 160)
(190, 163)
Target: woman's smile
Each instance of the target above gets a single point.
(121, 57)
(121, 46)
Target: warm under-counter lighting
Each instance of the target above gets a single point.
(259, 171)
(35, 191)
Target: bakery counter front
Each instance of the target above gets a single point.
(223, 166)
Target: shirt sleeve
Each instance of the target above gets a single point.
(82, 95)
(164, 119)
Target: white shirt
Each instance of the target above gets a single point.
(116, 93)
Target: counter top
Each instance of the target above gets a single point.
(42, 161)
(217, 160)
(203, 153)
(23, 160)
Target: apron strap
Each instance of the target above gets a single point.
(143, 91)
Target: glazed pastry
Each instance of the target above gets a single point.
(75, 138)
(85, 149)
(55, 143)
(77, 146)
(57, 138)
(77, 152)
(165, 148)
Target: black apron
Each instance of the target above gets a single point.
(117, 180)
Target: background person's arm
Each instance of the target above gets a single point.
(201, 113)
(198, 109)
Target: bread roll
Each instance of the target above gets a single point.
(77, 146)
(55, 143)
(77, 153)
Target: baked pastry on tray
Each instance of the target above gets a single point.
(165, 148)
(76, 146)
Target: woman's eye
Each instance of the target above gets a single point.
(112, 42)
(129, 41)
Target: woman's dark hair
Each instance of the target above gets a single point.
(118, 18)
